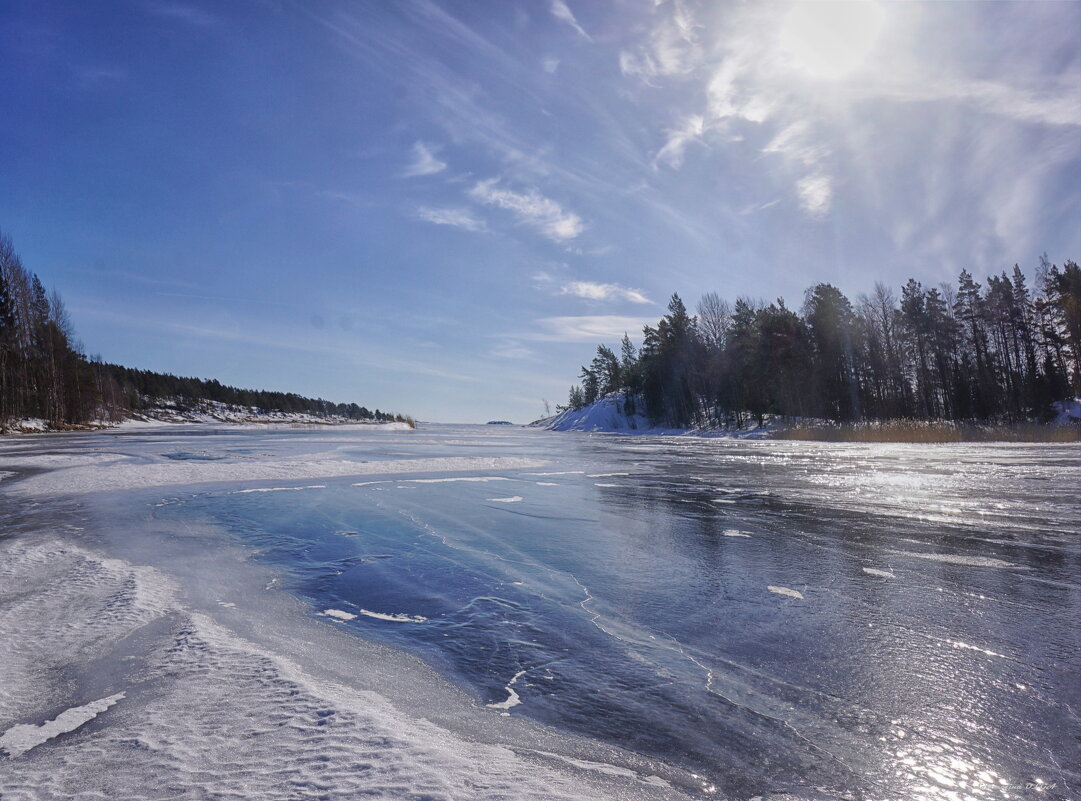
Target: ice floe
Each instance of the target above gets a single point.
(956, 559)
(338, 614)
(394, 618)
(19, 739)
(874, 571)
(785, 591)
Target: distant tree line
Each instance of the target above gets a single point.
(45, 374)
(999, 352)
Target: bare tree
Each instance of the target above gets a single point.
(714, 319)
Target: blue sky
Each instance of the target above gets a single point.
(441, 208)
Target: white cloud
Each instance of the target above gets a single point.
(424, 162)
(672, 48)
(531, 208)
(1056, 105)
(815, 193)
(590, 329)
(691, 130)
(511, 350)
(550, 64)
(795, 141)
(457, 217)
(594, 291)
(562, 13)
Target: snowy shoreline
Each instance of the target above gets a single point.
(608, 415)
(146, 661)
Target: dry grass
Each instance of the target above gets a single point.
(931, 432)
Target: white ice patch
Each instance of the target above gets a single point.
(954, 559)
(785, 591)
(606, 475)
(513, 699)
(399, 618)
(511, 499)
(598, 484)
(731, 532)
(5, 474)
(546, 484)
(280, 489)
(19, 739)
(874, 571)
(608, 770)
(457, 478)
(558, 473)
(339, 614)
(85, 478)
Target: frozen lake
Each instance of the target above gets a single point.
(718, 618)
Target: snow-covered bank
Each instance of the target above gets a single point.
(166, 413)
(147, 660)
(608, 415)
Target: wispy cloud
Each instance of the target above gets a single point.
(531, 208)
(183, 12)
(672, 48)
(454, 216)
(590, 329)
(424, 162)
(562, 12)
(691, 130)
(550, 64)
(511, 350)
(815, 194)
(594, 291)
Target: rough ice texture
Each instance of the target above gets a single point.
(83, 474)
(212, 714)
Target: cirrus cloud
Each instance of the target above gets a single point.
(594, 291)
(531, 208)
(453, 216)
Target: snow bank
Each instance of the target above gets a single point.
(1067, 412)
(608, 415)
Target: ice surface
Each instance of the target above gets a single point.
(179, 676)
(78, 477)
(511, 499)
(280, 489)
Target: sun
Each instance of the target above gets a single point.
(830, 40)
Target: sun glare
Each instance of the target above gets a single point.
(830, 40)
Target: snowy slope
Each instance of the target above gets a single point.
(607, 415)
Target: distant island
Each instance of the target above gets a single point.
(48, 383)
(500, 423)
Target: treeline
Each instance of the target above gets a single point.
(994, 353)
(45, 374)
